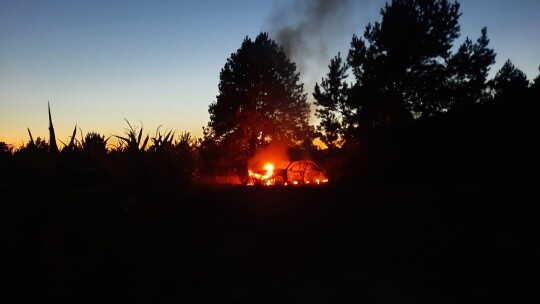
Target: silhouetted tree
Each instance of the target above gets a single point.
(401, 69)
(536, 81)
(535, 87)
(33, 161)
(260, 100)
(95, 144)
(336, 114)
(509, 80)
(94, 151)
(39, 145)
(468, 69)
(5, 149)
(6, 152)
(404, 70)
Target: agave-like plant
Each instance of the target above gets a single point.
(162, 142)
(132, 140)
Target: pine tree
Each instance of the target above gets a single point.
(260, 100)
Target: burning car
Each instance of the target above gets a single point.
(299, 172)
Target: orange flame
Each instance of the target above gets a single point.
(263, 177)
(271, 175)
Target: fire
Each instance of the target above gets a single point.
(285, 173)
(265, 178)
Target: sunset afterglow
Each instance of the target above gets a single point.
(158, 64)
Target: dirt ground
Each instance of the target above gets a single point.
(236, 244)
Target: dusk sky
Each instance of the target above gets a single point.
(158, 62)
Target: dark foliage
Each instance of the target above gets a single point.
(333, 98)
(89, 166)
(260, 100)
(509, 81)
(415, 111)
(403, 69)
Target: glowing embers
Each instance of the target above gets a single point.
(323, 181)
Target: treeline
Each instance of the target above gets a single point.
(405, 104)
(491, 142)
(486, 142)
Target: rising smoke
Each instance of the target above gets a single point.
(310, 32)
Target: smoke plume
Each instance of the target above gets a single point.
(309, 31)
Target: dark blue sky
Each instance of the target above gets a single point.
(158, 62)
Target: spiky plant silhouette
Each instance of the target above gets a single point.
(53, 148)
(162, 142)
(132, 142)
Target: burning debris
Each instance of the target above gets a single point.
(265, 178)
(300, 172)
(271, 166)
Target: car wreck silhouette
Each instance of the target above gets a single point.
(299, 172)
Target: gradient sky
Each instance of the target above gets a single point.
(158, 62)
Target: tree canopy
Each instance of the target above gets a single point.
(403, 69)
(260, 100)
(508, 80)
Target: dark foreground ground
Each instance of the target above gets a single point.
(335, 244)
